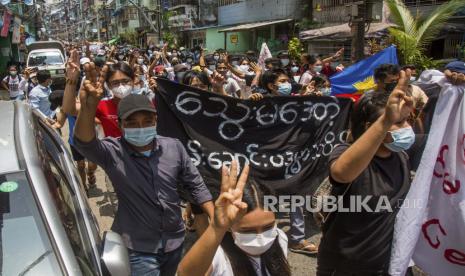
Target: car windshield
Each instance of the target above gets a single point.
(45, 58)
(25, 248)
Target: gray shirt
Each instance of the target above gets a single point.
(149, 216)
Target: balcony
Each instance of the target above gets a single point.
(425, 7)
(184, 17)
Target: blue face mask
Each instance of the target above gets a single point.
(146, 153)
(285, 89)
(403, 139)
(326, 91)
(140, 137)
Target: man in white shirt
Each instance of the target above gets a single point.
(231, 86)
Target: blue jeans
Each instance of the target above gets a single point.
(17, 98)
(155, 264)
(297, 221)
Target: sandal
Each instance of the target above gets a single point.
(304, 247)
(91, 180)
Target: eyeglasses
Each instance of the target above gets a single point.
(116, 83)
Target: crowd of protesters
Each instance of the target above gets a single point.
(110, 105)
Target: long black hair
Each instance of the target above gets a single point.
(273, 259)
(123, 67)
(366, 111)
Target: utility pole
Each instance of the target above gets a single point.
(98, 22)
(357, 25)
(144, 15)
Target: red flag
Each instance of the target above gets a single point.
(6, 23)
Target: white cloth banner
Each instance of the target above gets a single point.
(430, 227)
(264, 54)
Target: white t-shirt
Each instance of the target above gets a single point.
(221, 266)
(231, 87)
(15, 85)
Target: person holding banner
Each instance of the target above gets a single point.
(374, 167)
(242, 238)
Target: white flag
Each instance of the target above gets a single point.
(264, 54)
(430, 227)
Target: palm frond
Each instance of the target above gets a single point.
(402, 17)
(432, 25)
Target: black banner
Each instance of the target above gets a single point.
(286, 140)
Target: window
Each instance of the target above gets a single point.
(228, 2)
(25, 246)
(65, 201)
(45, 58)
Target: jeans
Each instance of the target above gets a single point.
(17, 98)
(155, 264)
(297, 221)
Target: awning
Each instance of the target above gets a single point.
(113, 40)
(338, 31)
(249, 26)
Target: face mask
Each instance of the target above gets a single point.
(122, 91)
(13, 73)
(137, 90)
(146, 153)
(216, 57)
(140, 137)
(189, 61)
(285, 61)
(235, 63)
(390, 86)
(326, 91)
(212, 67)
(295, 69)
(174, 54)
(413, 79)
(244, 68)
(318, 68)
(120, 57)
(255, 244)
(403, 139)
(285, 89)
(140, 60)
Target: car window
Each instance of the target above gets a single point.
(66, 202)
(45, 58)
(25, 247)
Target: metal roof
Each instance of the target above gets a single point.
(342, 30)
(255, 25)
(8, 154)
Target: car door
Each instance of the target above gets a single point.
(67, 200)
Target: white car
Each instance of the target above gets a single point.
(51, 56)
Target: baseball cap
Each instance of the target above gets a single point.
(84, 60)
(180, 67)
(134, 103)
(456, 66)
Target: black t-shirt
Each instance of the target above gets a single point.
(361, 242)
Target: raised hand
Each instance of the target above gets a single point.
(257, 69)
(308, 89)
(73, 70)
(399, 105)
(153, 84)
(229, 207)
(256, 97)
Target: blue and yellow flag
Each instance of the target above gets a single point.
(358, 78)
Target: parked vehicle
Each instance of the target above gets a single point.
(51, 56)
(46, 225)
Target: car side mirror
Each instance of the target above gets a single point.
(115, 258)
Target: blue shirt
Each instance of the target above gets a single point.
(38, 99)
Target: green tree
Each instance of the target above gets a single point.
(294, 48)
(413, 34)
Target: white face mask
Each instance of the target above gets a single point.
(122, 91)
(140, 61)
(244, 68)
(255, 244)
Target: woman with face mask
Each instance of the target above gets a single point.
(242, 238)
(119, 80)
(276, 82)
(312, 68)
(374, 167)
